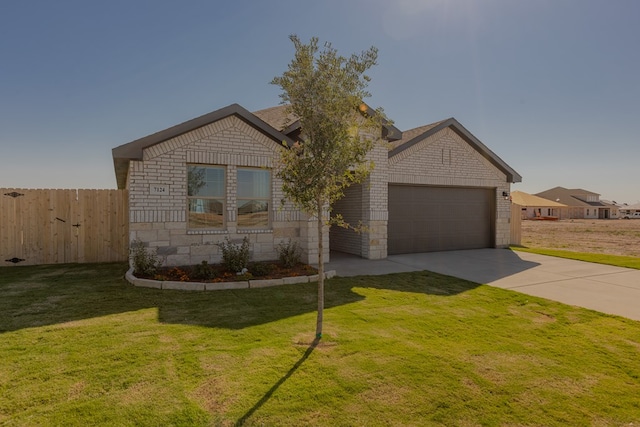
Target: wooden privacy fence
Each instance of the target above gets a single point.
(63, 226)
(516, 224)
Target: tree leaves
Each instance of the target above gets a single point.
(325, 92)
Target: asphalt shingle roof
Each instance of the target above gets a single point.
(526, 199)
(570, 197)
(276, 117)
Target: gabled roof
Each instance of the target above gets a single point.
(568, 196)
(416, 135)
(133, 150)
(410, 134)
(525, 199)
(277, 124)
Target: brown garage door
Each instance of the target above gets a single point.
(428, 219)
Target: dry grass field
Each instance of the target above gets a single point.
(601, 236)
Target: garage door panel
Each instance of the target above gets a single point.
(427, 219)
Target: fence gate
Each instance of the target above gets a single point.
(62, 226)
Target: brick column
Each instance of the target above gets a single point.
(375, 208)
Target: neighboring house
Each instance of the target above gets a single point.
(433, 188)
(581, 204)
(629, 211)
(614, 210)
(534, 207)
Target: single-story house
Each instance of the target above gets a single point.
(534, 207)
(581, 204)
(433, 188)
(629, 211)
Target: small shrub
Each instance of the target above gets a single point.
(235, 257)
(289, 254)
(244, 276)
(261, 269)
(145, 263)
(203, 271)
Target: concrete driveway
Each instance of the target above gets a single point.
(612, 290)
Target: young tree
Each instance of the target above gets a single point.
(325, 92)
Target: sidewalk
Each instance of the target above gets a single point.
(608, 289)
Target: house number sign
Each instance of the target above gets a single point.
(158, 189)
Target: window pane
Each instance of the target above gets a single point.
(253, 214)
(205, 181)
(254, 183)
(205, 213)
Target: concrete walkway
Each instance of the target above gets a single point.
(612, 290)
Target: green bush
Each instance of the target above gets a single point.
(261, 269)
(204, 271)
(289, 254)
(235, 257)
(145, 262)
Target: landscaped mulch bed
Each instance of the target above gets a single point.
(218, 273)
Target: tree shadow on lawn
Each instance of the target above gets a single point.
(238, 309)
(34, 296)
(264, 399)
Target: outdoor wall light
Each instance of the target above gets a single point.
(505, 195)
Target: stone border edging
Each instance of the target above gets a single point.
(218, 286)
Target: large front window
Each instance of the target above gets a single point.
(206, 196)
(254, 192)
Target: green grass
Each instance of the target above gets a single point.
(617, 260)
(80, 346)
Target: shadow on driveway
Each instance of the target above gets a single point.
(477, 265)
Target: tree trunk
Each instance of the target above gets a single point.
(320, 270)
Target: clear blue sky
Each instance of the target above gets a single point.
(551, 86)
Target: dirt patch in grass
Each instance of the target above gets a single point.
(212, 393)
(612, 237)
(77, 390)
(498, 368)
(386, 394)
(569, 386)
(536, 316)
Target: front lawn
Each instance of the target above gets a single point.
(615, 260)
(80, 346)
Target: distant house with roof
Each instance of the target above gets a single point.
(581, 204)
(629, 211)
(535, 207)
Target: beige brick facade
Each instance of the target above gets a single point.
(156, 177)
(160, 218)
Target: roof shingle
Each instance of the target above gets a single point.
(526, 199)
(276, 117)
